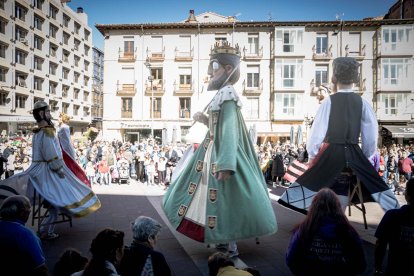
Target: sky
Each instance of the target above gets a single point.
(163, 11)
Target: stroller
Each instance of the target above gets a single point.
(123, 171)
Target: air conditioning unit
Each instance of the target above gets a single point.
(24, 41)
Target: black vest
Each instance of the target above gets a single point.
(345, 119)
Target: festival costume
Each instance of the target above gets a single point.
(69, 155)
(349, 115)
(211, 211)
(68, 194)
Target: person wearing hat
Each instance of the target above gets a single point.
(333, 146)
(50, 177)
(221, 196)
(68, 151)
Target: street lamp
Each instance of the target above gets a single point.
(151, 78)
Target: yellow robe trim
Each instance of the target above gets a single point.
(89, 210)
(81, 202)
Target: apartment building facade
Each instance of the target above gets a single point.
(97, 87)
(45, 54)
(285, 69)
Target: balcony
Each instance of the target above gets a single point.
(125, 90)
(184, 113)
(126, 114)
(320, 92)
(158, 87)
(184, 56)
(183, 89)
(252, 91)
(126, 56)
(323, 55)
(355, 54)
(155, 56)
(247, 55)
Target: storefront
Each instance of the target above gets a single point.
(391, 134)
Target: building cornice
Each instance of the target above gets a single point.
(103, 28)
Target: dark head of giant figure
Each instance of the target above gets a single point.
(345, 71)
(41, 112)
(224, 65)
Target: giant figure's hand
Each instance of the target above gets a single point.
(223, 175)
(200, 117)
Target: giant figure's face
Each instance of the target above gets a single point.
(218, 74)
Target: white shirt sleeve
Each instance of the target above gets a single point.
(369, 129)
(319, 128)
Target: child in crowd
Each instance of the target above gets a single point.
(401, 185)
(151, 172)
(392, 182)
(90, 172)
(162, 162)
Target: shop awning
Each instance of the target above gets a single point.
(401, 131)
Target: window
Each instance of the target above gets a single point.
(20, 57)
(395, 70)
(321, 44)
(86, 111)
(288, 105)
(85, 81)
(157, 108)
(53, 30)
(183, 46)
(77, 27)
(66, 20)
(37, 83)
(76, 110)
(20, 101)
(38, 4)
(20, 33)
(53, 11)
(38, 42)
(185, 108)
(250, 108)
(128, 48)
(86, 50)
(76, 93)
(37, 22)
(185, 77)
(65, 91)
(52, 50)
(3, 99)
(65, 38)
(19, 12)
(290, 71)
(3, 72)
(65, 108)
(38, 62)
(3, 49)
(52, 87)
(85, 96)
(253, 44)
(52, 68)
(87, 34)
(65, 55)
(76, 77)
(77, 59)
(220, 38)
(126, 111)
(3, 24)
(253, 76)
(392, 103)
(86, 66)
(2, 2)
(392, 36)
(156, 73)
(76, 44)
(65, 73)
(289, 39)
(321, 75)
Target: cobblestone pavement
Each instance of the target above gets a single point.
(121, 204)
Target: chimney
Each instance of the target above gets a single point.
(191, 17)
(79, 10)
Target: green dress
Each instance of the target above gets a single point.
(211, 211)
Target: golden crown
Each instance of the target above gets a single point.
(223, 47)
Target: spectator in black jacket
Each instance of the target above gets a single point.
(140, 258)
